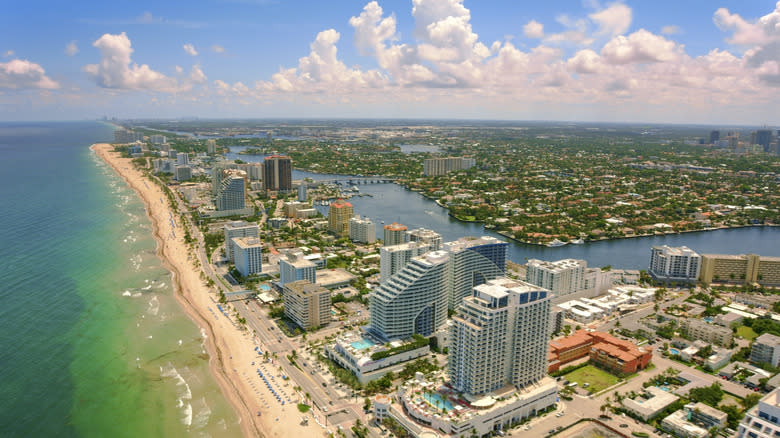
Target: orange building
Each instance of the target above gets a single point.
(604, 350)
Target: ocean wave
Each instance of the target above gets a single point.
(184, 392)
(204, 413)
(154, 306)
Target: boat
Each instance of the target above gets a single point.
(578, 241)
(556, 243)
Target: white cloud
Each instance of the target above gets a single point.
(71, 48)
(190, 49)
(614, 20)
(671, 30)
(116, 69)
(19, 74)
(533, 29)
(217, 48)
(585, 62)
(761, 35)
(8, 54)
(640, 47)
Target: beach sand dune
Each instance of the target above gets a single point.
(231, 349)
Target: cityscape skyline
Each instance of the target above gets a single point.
(580, 61)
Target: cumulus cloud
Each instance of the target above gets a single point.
(71, 48)
(190, 49)
(762, 36)
(614, 20)
(19, 74)
(116, 69)
(585, 62)
(640, 47)
(533, 29)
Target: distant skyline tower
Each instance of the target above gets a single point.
(394, 234)
(764, 138)
(277, 173)
(714, 136)
(506, 322)
(211, 146)
(339, 214)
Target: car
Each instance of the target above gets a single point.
(624, 425)
(324, 385)
(551, 431)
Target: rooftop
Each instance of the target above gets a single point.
(470, 242)
(395, 226)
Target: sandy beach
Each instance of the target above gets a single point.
(231, 349)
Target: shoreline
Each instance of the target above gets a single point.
(230, 349)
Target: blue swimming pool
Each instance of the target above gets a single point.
(265, 287)
(674, 351)
(435, 399)
(362, 344)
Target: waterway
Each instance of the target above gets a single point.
(393, 203)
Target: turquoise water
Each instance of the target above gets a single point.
(265, 287)
(435, 399)
(674, 351)
(362, 344)
(93, 341)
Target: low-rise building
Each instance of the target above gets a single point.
(364, 356)
(603, 349)
(706, 416)
(763, 420)
(678, 424)
(650, 403)
(712, 333)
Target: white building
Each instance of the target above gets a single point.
(422, 235)
(182, 158)
(674, 263)
(650, 403)
(763, 420)
(473, 261)
(306, 304)
(499, 337)
(414, 300)
(766, 349)
(362, 230)
(442, 166)
(294, 267)
(393, 258)
(238, 229)
(211, 146)
(231, 193)
(157, 139)
(561, 277)
(248, 254)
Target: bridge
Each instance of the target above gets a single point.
(353, 181)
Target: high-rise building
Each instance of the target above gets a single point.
(306, 304)
(294, 267)
(183, 173)
(394, 234)
(393, 258)
(714, 136)
(182, 159)
(158, 139)
(238, 229)
(473, 261)
(499, 337)
(231, 194)
(766, 349)
(277, 173)
(425, 236)
(442, 166)
(339, 214)
(211, 146)
(763, 420)
(414, 300)
(302, 192)
(674, 263)
(248, 254)
(561, 277)
(127, 136)
(764, 138)
(362, 230)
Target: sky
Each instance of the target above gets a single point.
(690, 61)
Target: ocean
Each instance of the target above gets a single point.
(93, 342)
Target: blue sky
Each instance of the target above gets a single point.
(662, 61)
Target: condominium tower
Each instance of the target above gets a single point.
(295, 267)
(473, 261)
(277, 173)
(339, 214)
(393, 258)
(423, 235)
(414, 300)
(442, 166)
(231, 193)
(306, 304)
(238, 229)
(499, 337)
(674, 263)
(248, 254)
(395, 234)
(561, 277)
(362, 230)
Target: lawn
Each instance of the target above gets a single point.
(596, 378)
(746, 332)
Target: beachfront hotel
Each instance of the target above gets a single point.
(248, 254)
(339, 214)
(561, 277)
(414, 300)
(497, 366)
(473, 261)
(231, 193)
(394, 234)
(306, 304)
(238, 229)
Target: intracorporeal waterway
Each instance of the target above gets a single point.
(394, 203)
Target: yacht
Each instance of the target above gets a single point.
(578, 241)
(555, 243)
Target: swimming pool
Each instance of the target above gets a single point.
(265, 287)
(674, 351)
(362, 344)
(436, 400)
